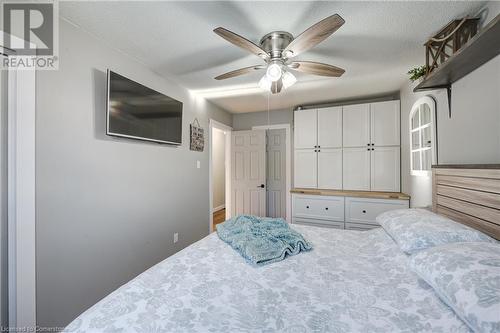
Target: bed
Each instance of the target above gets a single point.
(353, 281)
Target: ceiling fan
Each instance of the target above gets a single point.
(277, 48)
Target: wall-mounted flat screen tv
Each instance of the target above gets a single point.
(138, 112)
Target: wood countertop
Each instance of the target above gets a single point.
(357, 194)
(466, 166)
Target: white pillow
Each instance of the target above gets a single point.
(466, 276)
(418, 229)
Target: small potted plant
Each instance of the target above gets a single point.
(417, 73)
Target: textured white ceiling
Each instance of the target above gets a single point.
(376, 46)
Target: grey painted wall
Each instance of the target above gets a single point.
(471, 135)
(245, 121)
(107, 208)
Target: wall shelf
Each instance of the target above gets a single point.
(484, 46)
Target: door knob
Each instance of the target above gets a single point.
(261, 186)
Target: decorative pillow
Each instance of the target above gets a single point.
(418, 229)
(466, 276)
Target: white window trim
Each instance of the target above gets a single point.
(432, 105)
(21, 196)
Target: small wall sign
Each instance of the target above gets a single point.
(197, 141)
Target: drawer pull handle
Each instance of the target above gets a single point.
(307, 207)
(364, 211)
(326, 208)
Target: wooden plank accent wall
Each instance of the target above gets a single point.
(470, 196)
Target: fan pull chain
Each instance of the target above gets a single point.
(268, 116)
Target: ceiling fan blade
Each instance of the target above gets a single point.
(316, 68)
(277, 86)
(241, 42)
(239, 72)
(313, 35)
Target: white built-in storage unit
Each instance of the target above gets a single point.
(347, 165)
(344, 209)
(352, 147)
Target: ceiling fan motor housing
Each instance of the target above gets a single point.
(275, 42)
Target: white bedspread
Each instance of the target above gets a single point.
(351, 282)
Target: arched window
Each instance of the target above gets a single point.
(423, 136)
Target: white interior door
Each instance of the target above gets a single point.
(306, 171)
(330, 127)
(385, 169)
(276, 173)
(385, 123)
(330, 168)
(248, 172)
(356, 165)
(356, 125)
(305, 129)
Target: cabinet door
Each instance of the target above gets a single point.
(385, 169)
(356, 125)
(356, 169)
(330, 168)
(305, 168)
(305, 129)
(330, 127)
(385, 123)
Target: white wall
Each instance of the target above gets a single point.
(218, 167)
(471, 135)
(107, 208)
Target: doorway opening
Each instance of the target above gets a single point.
(219, 169)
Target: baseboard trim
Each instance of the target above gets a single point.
(216, 209)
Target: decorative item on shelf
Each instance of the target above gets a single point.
(197, 141)
(417, 73)
(448, 41)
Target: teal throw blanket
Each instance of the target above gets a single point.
(262, 241)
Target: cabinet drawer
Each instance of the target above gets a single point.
(361, 210)
(359, 226)
(319, 223)
(318, 207)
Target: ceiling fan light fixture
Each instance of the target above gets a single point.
(288, 79)
(274, 72)
(265, 83)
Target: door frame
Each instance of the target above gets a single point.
(21, 211)
(212, 123)
(288, 161)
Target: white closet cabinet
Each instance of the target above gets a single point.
(305, 170)
(356, 166)
(356, 125)
(318, 148)
(330, 168)
(384, 123)
(352, 147)
(305, 129)
(385, 169)
(330, 127)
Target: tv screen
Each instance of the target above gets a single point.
(138, 112)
